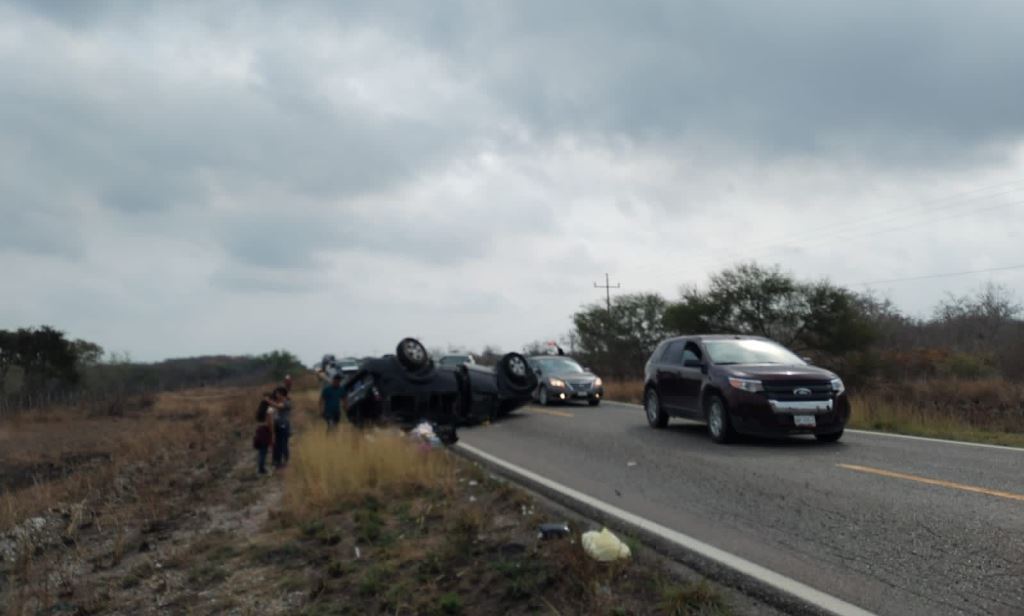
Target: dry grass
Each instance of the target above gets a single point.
(67, 455)
(979, 410)
(339, 467)
(631, 391)
(101, 480)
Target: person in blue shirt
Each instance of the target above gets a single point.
(331, 401)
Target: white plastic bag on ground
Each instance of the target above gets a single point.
(425, 433)
(604, 546)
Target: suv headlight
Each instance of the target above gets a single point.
(556, 382)
(598, 382)
(749, 385)
(837, 386)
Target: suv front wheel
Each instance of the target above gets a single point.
(718, 420)
(656, 416)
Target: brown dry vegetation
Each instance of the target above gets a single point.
(398, 528)
(85, 493)
(631, 391)
(157, 509)
(980, 410)
(985, 410)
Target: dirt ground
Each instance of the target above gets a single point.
(158, 510)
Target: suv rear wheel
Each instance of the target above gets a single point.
(656, 416)
(412, 354)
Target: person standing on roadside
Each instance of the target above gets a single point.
(264, 437)
(282, 426)
(287, 384)
(331, 398)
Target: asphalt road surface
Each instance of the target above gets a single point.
(892, 525)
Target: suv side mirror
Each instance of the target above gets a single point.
(807, 360)
(693, 363)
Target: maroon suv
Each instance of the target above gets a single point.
(743, 384)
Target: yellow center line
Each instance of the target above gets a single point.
(933, 482)
(550, 412)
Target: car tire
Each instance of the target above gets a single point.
(513, 375)
(829, 438)
(594, 401)
(542, 396)
(412, 355)
(717, 414)
(656, 416)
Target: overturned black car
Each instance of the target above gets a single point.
(408, 387)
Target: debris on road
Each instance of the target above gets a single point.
(631, 463)
(553, 530)
(604, 546)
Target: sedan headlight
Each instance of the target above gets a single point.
(837, 386)
(598, 382)
(556, 382)
(748, 385)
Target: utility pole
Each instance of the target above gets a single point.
(607, 286)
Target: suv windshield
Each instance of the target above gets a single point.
(454, 360)
(558, 365)
(749, 352)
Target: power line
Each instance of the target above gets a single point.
(916, 220)
(607, 286)
(942, 275)
(955, 207)
(914, 210)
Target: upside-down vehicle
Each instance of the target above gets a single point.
(407, 388)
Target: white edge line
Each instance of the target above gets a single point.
(936, 440)
(766, 576)
(890, 434)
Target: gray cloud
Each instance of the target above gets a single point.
(202, 164)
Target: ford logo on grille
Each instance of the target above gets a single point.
(802, 391)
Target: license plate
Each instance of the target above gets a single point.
(581, 394)
(804, 421)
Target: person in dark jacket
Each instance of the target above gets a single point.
(264, 437)
(282, 426)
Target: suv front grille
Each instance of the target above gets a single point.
(786, 390)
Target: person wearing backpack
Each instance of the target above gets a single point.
(264, 436)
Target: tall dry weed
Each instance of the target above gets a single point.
(328, 469)
(631, 391)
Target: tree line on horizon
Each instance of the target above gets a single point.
(37, 363)
(857, 333)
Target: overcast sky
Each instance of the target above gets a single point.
(183, 178)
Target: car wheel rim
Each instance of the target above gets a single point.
(715, 420)
(414, 352)
(652, 406)
(517, 366)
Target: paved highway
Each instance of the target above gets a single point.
(892, 525)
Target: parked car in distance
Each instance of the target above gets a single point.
(561, 379)
(456, 360)
(330, 365)
(743, 385)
